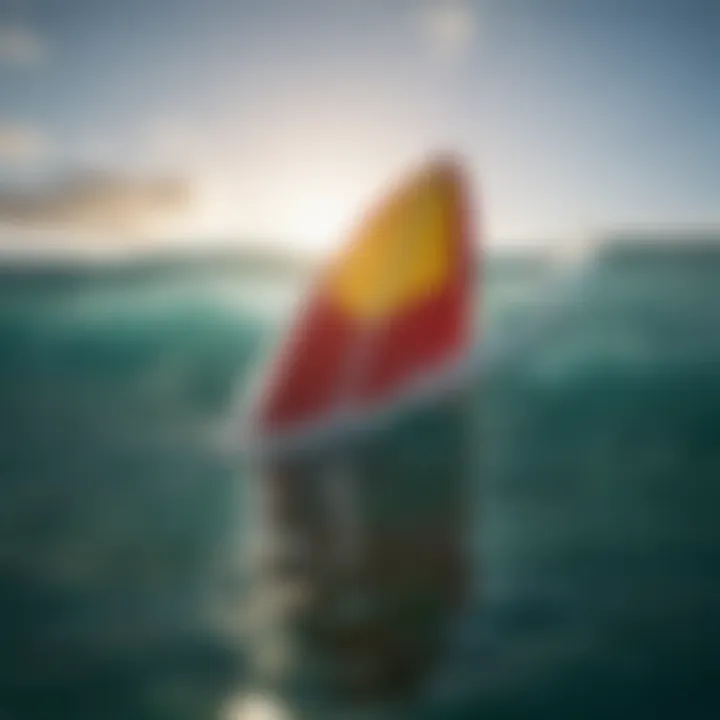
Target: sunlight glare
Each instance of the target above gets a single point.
(255, 707)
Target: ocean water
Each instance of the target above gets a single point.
(596, 539)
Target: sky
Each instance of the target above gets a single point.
(280, 120)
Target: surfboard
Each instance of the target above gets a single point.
(388, 321)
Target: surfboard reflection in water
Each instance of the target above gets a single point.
(365, 521)
(353, 592)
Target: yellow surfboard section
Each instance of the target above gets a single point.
(403, 252)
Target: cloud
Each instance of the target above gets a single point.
(95, 201)
(172, 140)
(449, 26)
(20, 143)
(20, 46)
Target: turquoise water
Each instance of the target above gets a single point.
(597, 541)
